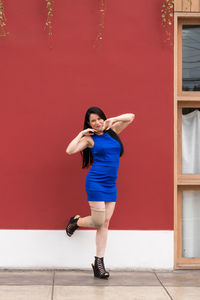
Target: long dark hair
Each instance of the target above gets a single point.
(86, 154)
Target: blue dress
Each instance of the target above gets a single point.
(100, 183)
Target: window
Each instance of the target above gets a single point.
(190, 58)
(187, 141)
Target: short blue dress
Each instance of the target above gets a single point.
(100, 183)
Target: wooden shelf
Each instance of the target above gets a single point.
(187, 267)
(184, 98)
(187, 182)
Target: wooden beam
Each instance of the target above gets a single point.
(195, 5)
(187, 5)
(178, 5)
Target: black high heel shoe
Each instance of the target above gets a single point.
(72, 225)
(99, 268)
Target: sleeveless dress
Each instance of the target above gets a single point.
(100, 183)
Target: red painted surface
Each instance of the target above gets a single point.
(44, 96)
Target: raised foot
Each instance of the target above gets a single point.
(72, 225)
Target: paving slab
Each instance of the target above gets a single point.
(117, 278)
(81, 284)
(184, 293)
(180, 278)
(109, 293)
(26, 278)
(26, 292)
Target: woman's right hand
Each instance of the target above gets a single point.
(88, 131)
(80, 142)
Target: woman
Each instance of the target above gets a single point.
(100, 147)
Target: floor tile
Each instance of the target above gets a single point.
(25, 292)
(184, 293)
(86, 278)
(180, 278)
(109, 293)
(26, 278)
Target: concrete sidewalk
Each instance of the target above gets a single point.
(75, 285)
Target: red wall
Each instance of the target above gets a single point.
(44, 96)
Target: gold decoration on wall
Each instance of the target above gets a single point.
(101, 11)
(48, 24)
(167, 13)
(3, 31)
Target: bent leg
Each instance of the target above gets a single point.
(97, 217)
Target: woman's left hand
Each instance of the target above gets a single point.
(108, 123)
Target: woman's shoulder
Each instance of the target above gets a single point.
(90, 141)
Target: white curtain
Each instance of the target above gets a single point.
(191, 224)
(191, 143)
(191, 199)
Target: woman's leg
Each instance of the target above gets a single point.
(97, 217)
(102, 232)
(95, 220)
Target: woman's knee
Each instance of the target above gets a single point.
(99, 223)
(106, 222)
(98, 216)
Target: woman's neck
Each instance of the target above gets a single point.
(100, 133)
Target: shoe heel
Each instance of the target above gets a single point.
(93, 268)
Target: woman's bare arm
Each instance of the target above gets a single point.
(119, 123)
(80, 142)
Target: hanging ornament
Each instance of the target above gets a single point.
(167, 13)
(48, 24)
(101, 11)
(3, 31)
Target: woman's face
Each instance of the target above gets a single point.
(96, 122)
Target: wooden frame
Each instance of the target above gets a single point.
(182, 99)
(187, 5)
(184, 21)
(183, 179)
(184, 262)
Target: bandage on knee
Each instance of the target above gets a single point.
(97, 217)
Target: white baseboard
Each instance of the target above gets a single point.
(126, 249)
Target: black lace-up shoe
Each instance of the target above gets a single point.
(72, 225)
(99, 268)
